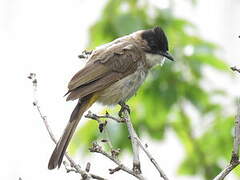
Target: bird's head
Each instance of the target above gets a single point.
(157, 43)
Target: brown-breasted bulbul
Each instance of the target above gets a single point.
(112, 75)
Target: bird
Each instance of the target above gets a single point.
(113, 74)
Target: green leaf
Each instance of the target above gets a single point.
(84, 136)
(189, 166)
(159, 103)
(126, 24)
(211, 60)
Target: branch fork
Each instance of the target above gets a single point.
(136, 145)
(71, 166)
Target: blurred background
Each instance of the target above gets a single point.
(184, 111)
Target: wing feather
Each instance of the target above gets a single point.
(100, 84)
(88, 74)
(105, 68)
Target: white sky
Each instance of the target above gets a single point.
(46, 37)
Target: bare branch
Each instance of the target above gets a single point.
(136, 143)
(226, 171)
(234, 68)
(236, 140)
(137, 140)
(102, 125)
(68, 167)
(135, 146)
(112, 171)
(162, 174)
(98, 149)
(85, 175)
(90, 115)
(114, 153)
(235, 153)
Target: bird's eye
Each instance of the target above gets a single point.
(152, 44)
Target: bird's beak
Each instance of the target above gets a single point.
(167, 55)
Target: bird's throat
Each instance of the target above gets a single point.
(154, 59)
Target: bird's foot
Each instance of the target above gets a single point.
(124, 107)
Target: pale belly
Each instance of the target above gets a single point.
(123, 89)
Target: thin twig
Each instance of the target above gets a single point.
(102, 125)
(133, 136)
(234, 68)
(226, 171)
(162, 174)
(68, 167)
(136, 161)
(98, 149)
(236, 140)
(118, 168)
(114, 153)
(135, 146)
(138, 141)
(84, 174)
(90, 115)
(235, 153)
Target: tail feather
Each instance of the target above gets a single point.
(58, 153)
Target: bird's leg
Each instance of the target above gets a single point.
(124, 106)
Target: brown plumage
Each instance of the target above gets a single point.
(112, 74)
(58, 153)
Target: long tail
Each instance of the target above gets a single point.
(58, 153)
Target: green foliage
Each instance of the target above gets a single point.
(159, 104)
(85, 136)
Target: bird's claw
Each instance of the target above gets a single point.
(123, 108)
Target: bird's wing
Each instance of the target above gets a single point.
(106, 67)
